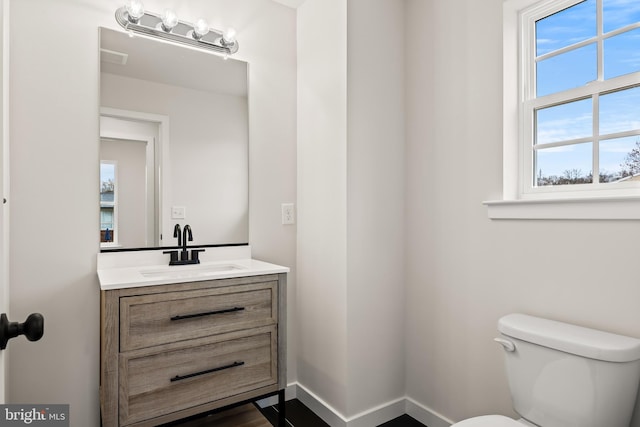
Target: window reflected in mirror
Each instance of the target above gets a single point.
(126, 189)
(107, 202)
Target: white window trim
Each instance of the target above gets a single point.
(614, 208)
(557, 205)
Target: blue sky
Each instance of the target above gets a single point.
(618, 111)
(107, 172)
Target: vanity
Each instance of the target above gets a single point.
(178, 341)
(183, 339)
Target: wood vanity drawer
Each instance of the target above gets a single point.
(156, 319)
(158, 381)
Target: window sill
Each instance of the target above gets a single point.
(611, 208)
(110, 246)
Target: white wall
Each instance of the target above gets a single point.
(54, 159)
(375, 203)
(351, 204)
(54, 208)
(321, 301)
(464, 271)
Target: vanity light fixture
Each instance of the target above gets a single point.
(229, 37)
(169, 20)
(200, 29)
(133, 18)
(135, 10)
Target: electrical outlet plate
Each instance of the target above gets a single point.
(288, 214)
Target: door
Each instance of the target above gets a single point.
(129, 179)
(123, 177)
(4, 181)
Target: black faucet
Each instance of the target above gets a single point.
(186, 233)
(186, 236)
(176, 233)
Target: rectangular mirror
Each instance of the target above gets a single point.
(174, 144)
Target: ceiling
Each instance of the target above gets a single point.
(291, 3)
(167, 63)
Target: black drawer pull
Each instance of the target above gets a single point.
(208, 371)
(207, 313)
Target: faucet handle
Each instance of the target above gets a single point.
(194, 255)
(173, 256)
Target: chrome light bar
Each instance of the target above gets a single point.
(195, 35)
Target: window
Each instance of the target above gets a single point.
(580, 99)
(571, 110)
(108, 223)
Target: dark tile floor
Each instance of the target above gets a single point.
(403, 421)
(298, 415)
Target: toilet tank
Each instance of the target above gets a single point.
(562, 375)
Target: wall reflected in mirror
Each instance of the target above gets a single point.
(174, 141)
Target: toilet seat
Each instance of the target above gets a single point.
(489, 421)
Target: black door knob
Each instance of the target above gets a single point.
(32, 328)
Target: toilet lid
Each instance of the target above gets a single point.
(489, 421)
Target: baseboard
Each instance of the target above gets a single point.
(425, 415)
(320, 407)
(373, 417)
(379, 415)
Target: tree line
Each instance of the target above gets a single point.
(107, 186)
(629, 167)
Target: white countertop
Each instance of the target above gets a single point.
(120, 270)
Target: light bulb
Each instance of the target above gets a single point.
(200, 28)
(169, 20)
(135, 9)
(229, 37)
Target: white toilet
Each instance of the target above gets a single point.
(563, 375)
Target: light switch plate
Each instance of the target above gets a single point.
(178, 212)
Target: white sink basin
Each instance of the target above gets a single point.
(121, 270)
(191, 271)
